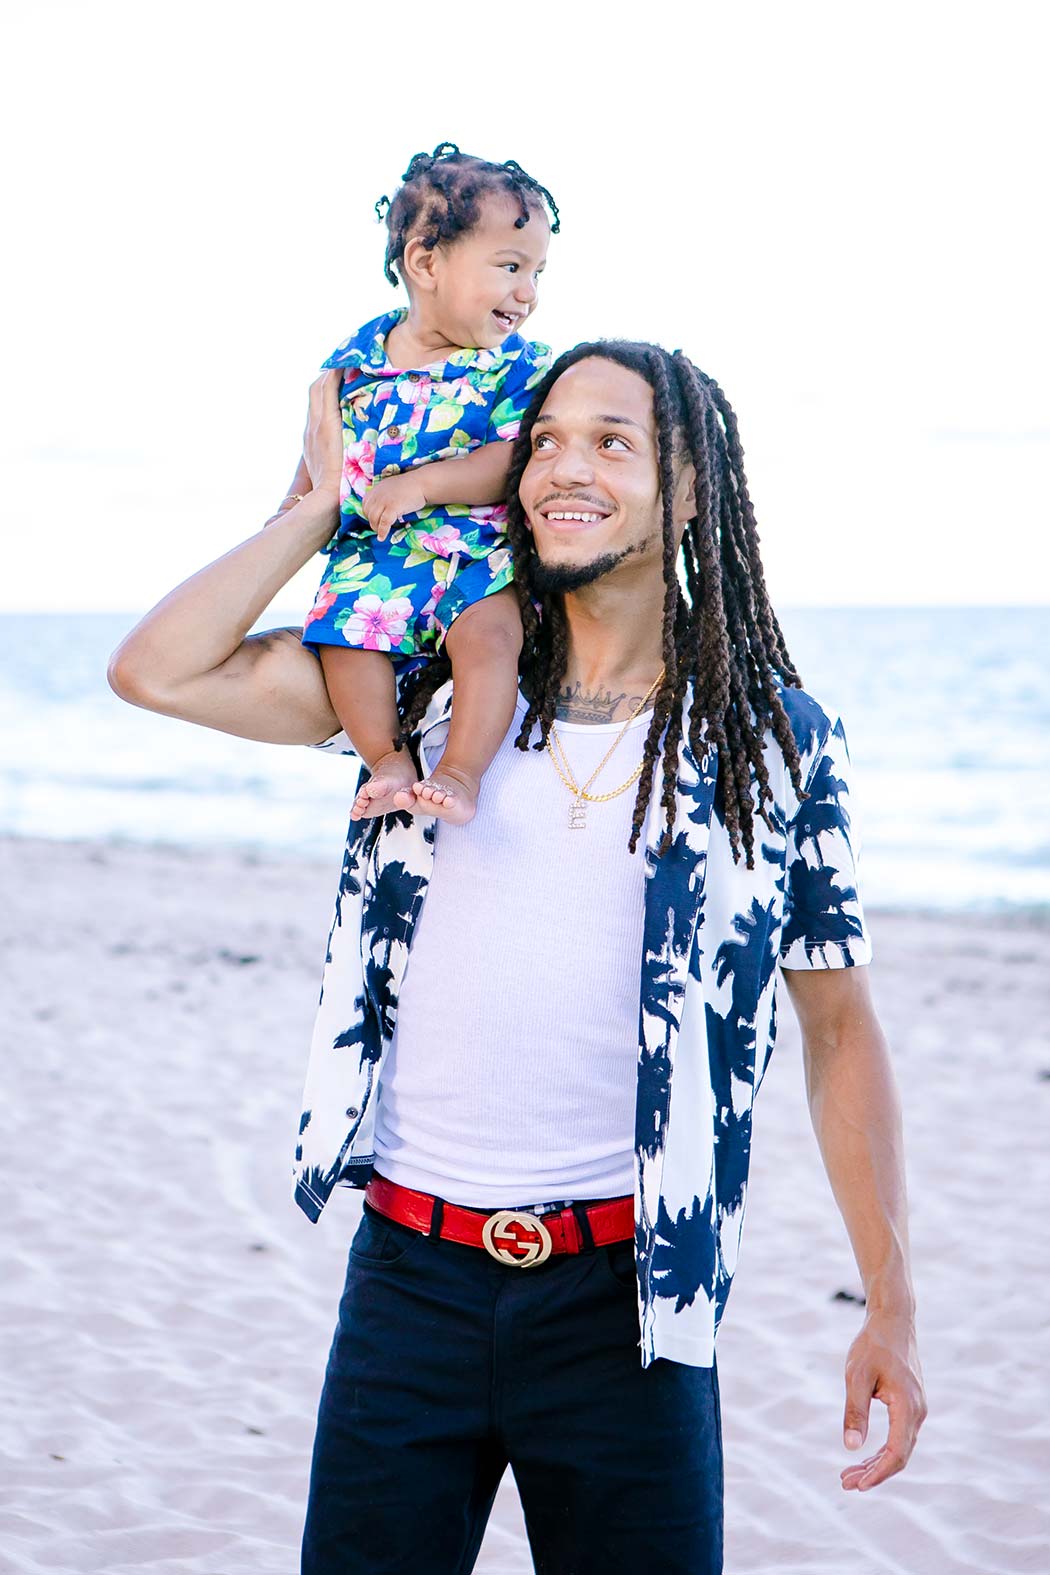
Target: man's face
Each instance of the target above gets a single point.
(488, 280)
(591, 488)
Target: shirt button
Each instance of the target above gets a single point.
(352, 1111)
(393, 433)
(413, 377)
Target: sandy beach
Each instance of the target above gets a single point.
(165, 1310)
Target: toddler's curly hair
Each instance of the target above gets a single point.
(440, 198)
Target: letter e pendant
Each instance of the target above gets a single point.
(578, 815)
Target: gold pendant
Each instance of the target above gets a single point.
(578, 815)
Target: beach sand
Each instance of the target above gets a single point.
(165, 1310)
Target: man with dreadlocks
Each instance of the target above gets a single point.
(550, 1110)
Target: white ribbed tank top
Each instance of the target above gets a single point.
(510, 1079)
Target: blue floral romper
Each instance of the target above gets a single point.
(402, 595)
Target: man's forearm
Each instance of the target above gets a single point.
(189, 658)
(856, 1113)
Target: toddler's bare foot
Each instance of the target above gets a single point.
(389, 788)
(448, 793)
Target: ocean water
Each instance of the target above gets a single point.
(946, 711)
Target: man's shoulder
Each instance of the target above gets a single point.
(811, 721)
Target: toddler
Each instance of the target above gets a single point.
(431, 400)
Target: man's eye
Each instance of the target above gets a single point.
(612, 438)
(539, 441)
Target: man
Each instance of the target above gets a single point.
(551, 1107)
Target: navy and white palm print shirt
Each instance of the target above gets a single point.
(714, 933)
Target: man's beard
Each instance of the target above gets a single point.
(550, 579)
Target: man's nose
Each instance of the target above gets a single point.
(572, 467)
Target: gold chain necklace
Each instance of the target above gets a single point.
(580, 796)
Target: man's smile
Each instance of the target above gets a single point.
(572, 514)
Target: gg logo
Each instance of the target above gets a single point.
(520, 1239)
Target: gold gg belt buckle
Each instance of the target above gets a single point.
(507, 1230)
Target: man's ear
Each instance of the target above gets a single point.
(419, 266)
(685, 493)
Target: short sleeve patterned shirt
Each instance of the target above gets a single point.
(715, 935)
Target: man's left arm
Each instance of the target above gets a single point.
(856, 1112)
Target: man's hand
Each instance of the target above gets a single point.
(883, 1364)
(388, 500)
(323, 438)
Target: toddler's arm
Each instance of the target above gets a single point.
(477, 477)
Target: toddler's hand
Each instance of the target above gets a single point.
(388, 500)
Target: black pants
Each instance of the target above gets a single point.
(447, 1366)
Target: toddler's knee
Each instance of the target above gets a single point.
(487, 634)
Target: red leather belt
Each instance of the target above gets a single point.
(513, 1236)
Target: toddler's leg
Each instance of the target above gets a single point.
(483, 644)
(363, 692)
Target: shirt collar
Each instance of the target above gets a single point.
(367, 349)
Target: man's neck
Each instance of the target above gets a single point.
(615, 648)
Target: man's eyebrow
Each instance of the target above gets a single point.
(548, 416)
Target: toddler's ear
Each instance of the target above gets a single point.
(419, 266)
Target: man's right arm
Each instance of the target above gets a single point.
(191, 657)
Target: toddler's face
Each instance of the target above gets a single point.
(488, 281)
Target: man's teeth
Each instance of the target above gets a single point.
(585, 519)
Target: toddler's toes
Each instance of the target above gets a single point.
(384, 792)
(448, 800)
(433, 792)
(361, 803)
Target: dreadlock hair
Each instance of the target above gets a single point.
(440, 198)
(721, 637)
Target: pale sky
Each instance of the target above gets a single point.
(837, 210)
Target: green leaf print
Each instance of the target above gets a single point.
(409, 447)
(444, 413)
(378, 585)
(460, 439)
(505, 411)
(345, 576)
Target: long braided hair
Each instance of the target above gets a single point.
(440, 198)
(721, 636)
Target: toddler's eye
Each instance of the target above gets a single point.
(512, 266)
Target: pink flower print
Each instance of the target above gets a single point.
(378, 625)
(444, 542)
(325, 598)
(359, 467)
(508, 430)
(437, 590)
(413, 388)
